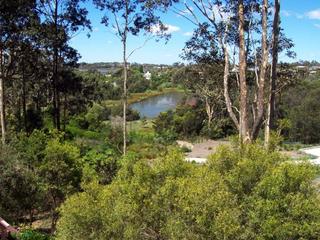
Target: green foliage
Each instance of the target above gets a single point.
(242, 193)
(98, 87)
(132, 115)
(301, 104)
(100, 165)
(29, 234)
(184, 122)
(284, 204)
(137, 82)
(19, 192)
(187, 121)
(38, 172)
(60, 169)
(219, 128)
(33, 120)
(96, 115)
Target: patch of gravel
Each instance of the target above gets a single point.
(205, 148)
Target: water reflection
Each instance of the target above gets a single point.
(152, 107)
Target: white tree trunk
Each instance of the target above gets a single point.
(2, 101)
(273, 83)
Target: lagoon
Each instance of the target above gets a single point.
(151, 107)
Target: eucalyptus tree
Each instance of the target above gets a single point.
(240, 31)
(62, 19)
(132, 18)
(204, 73)
(270, 119)
(15, 20)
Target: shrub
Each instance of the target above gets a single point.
(29, 234)
(100, 165)
(301, 105)
(242, 193)
(132, 115)
(96, 115)
(184, 122)
(20, 189)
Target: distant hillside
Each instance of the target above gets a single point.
(112, 67)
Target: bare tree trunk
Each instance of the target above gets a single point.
(65, 105)
(209, 111)
(263, 73)
(56, 100)
(2, 112)
(244, 116)
(273, 84)
(125, 77)
(2, 102)
(226, 87)
(125, 95)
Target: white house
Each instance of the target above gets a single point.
(147, 75)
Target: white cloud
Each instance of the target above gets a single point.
(317, 25)
(315, 14)
(188, 34)
(95, 29)
(287, 13)
(170, 29)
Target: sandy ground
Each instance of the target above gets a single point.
(200, 151)
(314, 151)
(205, 148)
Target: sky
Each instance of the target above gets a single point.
(300, 21)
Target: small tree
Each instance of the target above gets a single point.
(131, 17)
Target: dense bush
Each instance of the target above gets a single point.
(184, 122)
(132, 115)
(242, 193)
(96, 115)
(39, 171)
(301, 105)
(29, 234)
(100, 165)
(19, 191)
(187, 121)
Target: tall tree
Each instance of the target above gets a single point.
(235, 25)
(273, 82)
(131, 18)
(203, 76)
(15, 17)
(61, 20)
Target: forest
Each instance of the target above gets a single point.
(211, 147)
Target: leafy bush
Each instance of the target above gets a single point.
(219, 128)
(79, 121)
(29, 234)
(184, 122)
(20, 190)
(242, 193)
(132, 115)
(100, 165)
(301, 104)
(96, 115)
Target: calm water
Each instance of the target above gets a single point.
(153, 106)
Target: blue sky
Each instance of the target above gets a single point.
(300, 20)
